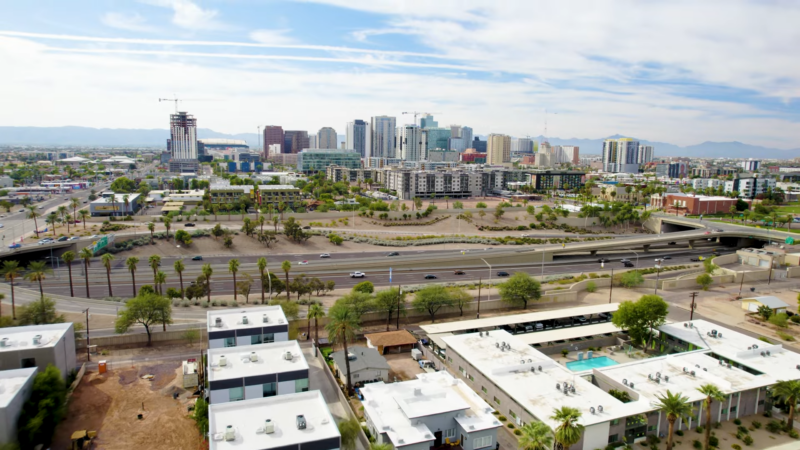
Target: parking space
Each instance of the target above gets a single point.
(402, 366)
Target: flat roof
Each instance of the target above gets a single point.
(498, 321)
(247, 416)
(17, 338)
(11, 381)
(232, 319)
(563, 334)
(394, 407)
(277, 187)
(119, 198)
(271, 359)
(769, 300)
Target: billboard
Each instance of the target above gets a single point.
(101, 243)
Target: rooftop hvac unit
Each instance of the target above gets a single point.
(223, 361)
(658, 374)
(253, 357)
(269, 427)
(4, 342)
(755, 345)
(497, 345)
(37, 339)
(287, 356)
(230, 434)
(244, 320)
(218, 322)
(625, 381)
(540, 368)
(301, 422)
(591, 409)
(533, 369)
(729, 366)
(666, 377)
(630, 384)
(719, 335)
(767, 352)
(522, 361)
(600, 408)
(692, 373)
(480, 333)
(264, 318)
(530, 361)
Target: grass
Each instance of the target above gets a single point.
(784, 336)
(788, 210)
(786, 230)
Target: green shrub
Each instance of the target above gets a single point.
(762, 338)
(699, 429)
(679, 432)
(793, 434)
(186, 303)
(748, 440)
(653, 439)
(511, 426)
(774, 427)
(713, 441)
(591, 286)
(501, 418)
(176, 303)
(779, 320)
(736, 447)
(737, 421)
(717, 425)
(518, 432)
(795, 318)
(697, 444)
(204, 304)
(785, 336)
(564, 352)
(223, 303)
(756, 424)
(741, 429)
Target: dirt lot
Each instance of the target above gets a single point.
(110, 403)
(402, 366)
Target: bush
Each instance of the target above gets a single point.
(223, 303)
(679, 432)
(214, 303)
(204, 304)
(697, 444)
(518, 432)
(176, 303)
(785, 336)
(510, 426)
(591, 286)
(501, 418)
(795, 318)
(713, 441)
(736, 447)
(748, 440)
(699, 429)
(793, 434)
(653, 439)
(737, 421)
(186, 303)
(774, 427)
(564, 352)
(779, 320)
(762, 338)
(741, 429)
(717, 424)
(756, 424)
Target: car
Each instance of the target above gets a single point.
(604, 316)
(696, 259)
(430, 277)
(86, 201)
(715, 253)
(94, 236)
(719, 230)
(357, 275)
(1, 225)
(21, 210)
(628, 264)
(188, 224)
(197, 258)
(623, 261)
(706, 232)
(41, 207)
(73, 238)
(15, 245)
(46, 241)
(306, 227)
(666, 257)
(525, 235)
(63, 239)
(325, 255)
(393, 254)
(581, 319)
(303, 263)
(458, 272)
(502, 274)
(603, 260)
(672, 243)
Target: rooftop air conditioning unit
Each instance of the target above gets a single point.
(269, 427)
(223, 361)
(37, 339)
(244, 320)
(630, 384)
(301, 422)
(591, 409)
(287, 356)
(625, 381)
(600, 408)
(265, 318)
(4, 342)
(253, 357)
(230, 433)
(218, 322)
(666, 377)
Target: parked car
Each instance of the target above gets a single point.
(197, 258)
(430, 276)
(719, 230)
(502, 274)
(357, 275)
(603, 260)
(581, 319)
(21, 210)
(15, 245)
(63, 239)
(393, 254)
(604, 316)
(538, 326)
(1, 225)
(325, 255)
(458, 272)
(188, 224)
(707, 232)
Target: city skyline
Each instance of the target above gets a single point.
(105, 64)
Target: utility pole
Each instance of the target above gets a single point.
(480, 281)
(399, 296)
(771, 263)
(740, 286)
(88, 352)
(611, 286)
(692, 306)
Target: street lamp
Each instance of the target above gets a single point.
(488, 296)
(611, 281)
(658, 273)
(637, 256)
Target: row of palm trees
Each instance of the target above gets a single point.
(60, 216)
(36, 272)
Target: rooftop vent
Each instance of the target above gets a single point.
(719, 335)
(600, 408)
(269, 427)
(530, 361)
(253, 357)
(763, 353)
(625, 381)
(230, 433)
(533, 369)
(417, 392)
(755, 345)
(480, 333)
(729, 366)
(767, 352)
(658, 374)
(218, 322)
(301, 422)
(244, 320)
(287, 356)
(264, 318)
(223, 361)
(401, 441)
(37, 339)
(4, 342)
(693, 373)
(666, 378)
(558, 386)
(522, 361)
(280, 320)
(540, 368)
(497, 345)
(591, 409)
(630, 385)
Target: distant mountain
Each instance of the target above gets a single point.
(107, 137)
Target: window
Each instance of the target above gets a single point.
(27, 362)
(511, 413)
(255, 339)
(236, 394)
(613, 438)
(761, 402)
(471, 378)
(230, 342)
(485, 391)
(301, 385)
(270, 390)
(724, 410)
(449, 359)
(615, 422)
(269, 338)
(497, 400)
(355, 375)
(482, 442)
(461, 369)
(733, 409)
(451, 433)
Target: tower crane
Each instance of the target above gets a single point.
(416, 113)
(176, 100)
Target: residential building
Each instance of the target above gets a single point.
(522, 145)
(671, 170)
(620, 155)
(183, 136)
(498, 149)
(749, 187)
(645, 154)
(242, 328)
(693, 204)
(543, 180)
(428, 165)
(443, 155)
(481, 146)
(366, 365)
(317, 160)
(300, 421)
(39, 346)
(15, 389)
(261, 370)
(427, 121)
(206, 148)
(326, 138)
(275, 194)
(284, 159)
(183, 165)
(410, 143)
(431, 411)
(414, 183)
(436, 138)
(356, 137)
(703, 183)
(571, 154)
(751, 165)
(294, 141)
(391, 341)
(775, 304)
(115, 205)
(381, 137)
(702, 172)
(379, 163)
(273, 135)
(338, 173)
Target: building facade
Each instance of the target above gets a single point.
(327, 138)
(750, 187)
(39, 346)
(273, 135)
(183, 136)
(498, 149)
(16, 386)
(671, 170)
(318, 160)
(645, 154)
(553, 179)
(436, 138)
(410, 144)
(413, 183)
(620, 155)
(381, 137)
(427, 121)
(295, 141)
(751, 165)
(356, 137)
(236, 328)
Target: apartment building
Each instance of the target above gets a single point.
(555, 179)
(620, 155)
(412, 183)
(242, 328)
(316, 160)
(15, 389)
(275, 194)
(703, 183)
(338, 173)
(750, 187)
(38, 346)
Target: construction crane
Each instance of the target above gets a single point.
(176, 100)
(416, 113)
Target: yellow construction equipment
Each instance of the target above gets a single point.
(82, 439)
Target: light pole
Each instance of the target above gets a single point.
(488, 296)
(637, 256)
(88, 352)
(658, 273)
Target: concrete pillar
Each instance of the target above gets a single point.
(646, 247)
(593, 252)
(691, 244)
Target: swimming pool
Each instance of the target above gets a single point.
(594, 363)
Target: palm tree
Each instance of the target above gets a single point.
(154, 261)
(789, 392)
(10, 271)
(316, 312)
(152, 227)
(68, 257)
(675, 406)
(75, 203)
(127, 201)
(207, 272)
(286, 266)
(167, 223)
(131, 262)
(84, 215)
(233, 267)
(107, 259)
(160, 279)
(712, 393)
(179, 268)
(343, 325)
(33, 214)
(275, 221)
(535, 436)
(37, 271)
(86, 255)
(52, 219)
(64, 212)
(569, 431)
(262, 265)
(261, 221)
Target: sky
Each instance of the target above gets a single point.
(679, 71)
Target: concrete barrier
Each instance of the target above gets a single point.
(139, 338)
(793, 272)
(669, 285)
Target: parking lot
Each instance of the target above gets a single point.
(566, 322)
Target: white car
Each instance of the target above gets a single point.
(324, 255)
(1, 225)
(303, 263)
(46, 241)
(357, 275)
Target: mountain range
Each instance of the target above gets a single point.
(106, 137)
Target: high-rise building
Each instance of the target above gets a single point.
(620, 155)
(183, 136)
(571, 154)
(436, 138)
(479, 145)
(457, 144)
(382, 136)
(645, 154)
(273, 134)
(312, 141)
(427, 121)
(522, 145)
(410, 144)
(466, 136)
(295, 141)
(498, 149)
(751, 165)
(326, 138)
(357, 137)
(455, 131)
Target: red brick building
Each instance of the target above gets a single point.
(693, 204)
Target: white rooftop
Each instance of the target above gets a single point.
(232, 319)
(492, 322)
(277, 187)
(246, 417)
(11, 381)
(118, 198)
(563, 334)
(17, 338)
(395, 407)
(271, 359)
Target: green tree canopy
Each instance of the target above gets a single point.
(431, 299)
(44, 409)
(365, 287)
(147, 310)
(40, 312)
(641, 317)
(123, 185)
(520, 289)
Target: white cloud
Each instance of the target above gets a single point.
(279, 37)
(123, 21)
(189, 15)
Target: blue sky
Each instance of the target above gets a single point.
(680, 71)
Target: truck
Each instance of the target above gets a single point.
(357, 275)
(427, 366)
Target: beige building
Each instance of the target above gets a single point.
(498, 149)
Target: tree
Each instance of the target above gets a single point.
(167, 224)
(390, 301)
(152, 227)
(160, 279)
(674, 406)
(34, 214)
(37, 272)
(357, 302)
(764, 311)
(107, 259)
(343, 325)
(480, 205)
(431, 299)
(629, 279)
(262, 266)
(704, 281)
(316, 312)
(63, 212)
(179, 268)
(294, 231)
(290, 309)
(709, 266)
(461, 298)
(207, 272)
(535, 436)
(712, 393)
(84, 215)
(86, 255)
(155, 262)
(147, 310)
(44, 409)
(183, 237)
(330, 285)
(286, 266)
(40, 313)
(11, 271)
(68, 257)
(233, 267)
(123, 185)
(498, 211)
(244, 286)
(568, 431)
(52, 220)
(348, 430)
(227, 240)
(365, 287)
(789, 392)
(641, 317)
(520, 289)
